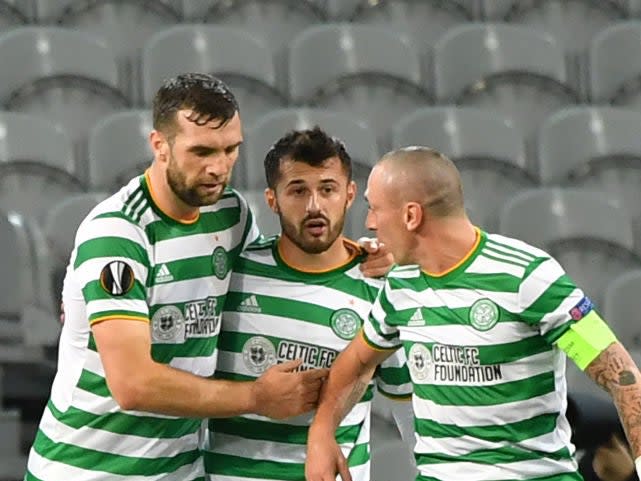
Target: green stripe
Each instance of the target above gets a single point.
(100, 461)
(502, 256)
(228, 465)
(276, 432)
(394, 375)
(554, 334)
(336, 279)
(550, 300)
(109, 246)
(502, 282)
(94, 384)
(513, 351)
(208, 223)
(93, 291)
(192, 347)
(127, 424)
(186, 269)
(502, 455)
(116, 215)
(511, 432)
(115, 313)
(285, 309)
(497, 394)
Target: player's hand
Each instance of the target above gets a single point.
(613, 461)
(379, 259)
(324, 458)
(281, 392)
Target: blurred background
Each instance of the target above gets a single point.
(537, 102)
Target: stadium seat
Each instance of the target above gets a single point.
(268, 223)
(119, 148)
(518, 71)
(615, 65)
(275, 22)
(486, 148)
(15, 13)
(621, 308)
(367, 71)
(24, 310)
(124, 24)
(571, 22)
(237, 57)
(596, 148)
(66, 76)
(359, 140)
(36, 164)
(424, 20)
(59, 232)
(562, 222)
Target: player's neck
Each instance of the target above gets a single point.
(446, 244)
(166, 200)
(336, 256)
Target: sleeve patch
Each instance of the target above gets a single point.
(579, 311)
(117, 278)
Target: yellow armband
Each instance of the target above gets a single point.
(586, 339)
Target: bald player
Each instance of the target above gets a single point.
(486, 322)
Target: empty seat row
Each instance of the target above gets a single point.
(599, 148)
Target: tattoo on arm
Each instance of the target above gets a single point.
(615, 371)
(357, 393)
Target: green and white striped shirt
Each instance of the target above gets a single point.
(489, 384)
(275, 313)
(131, 261)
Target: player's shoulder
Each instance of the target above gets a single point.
(125, 211)
(511, 246)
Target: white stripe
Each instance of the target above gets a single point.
(203, 366)
(517, 244)
(263, 256)
(413, 272)
(539, 280)
(129, 204)
(405, 389)
(222, 477)
(403, 299)
(460, 471)
(502, 332)
(222, 204)
(356, 274)
(196, 245)
(123, 445)
(506, 413)
(185, 291)
(506, 258)
(331, 298)
(513, 253)
(99, 405)
(119, 304)
(47, 470)
(112, 227)
(485, 265)
(463, 445)
(93, 363)
(290, 329)
(141, 208)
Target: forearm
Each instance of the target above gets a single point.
(165, 390)
(615, 371)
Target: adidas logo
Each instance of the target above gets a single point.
(163, 275)
(417, 319)
(250, 304)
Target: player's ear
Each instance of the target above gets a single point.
(352, 188)
(412, 215)
(270, 198)
(159, 145)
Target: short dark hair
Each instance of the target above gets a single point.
(311, 146)
(207, 96)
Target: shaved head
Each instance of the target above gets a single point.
(425, 176)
